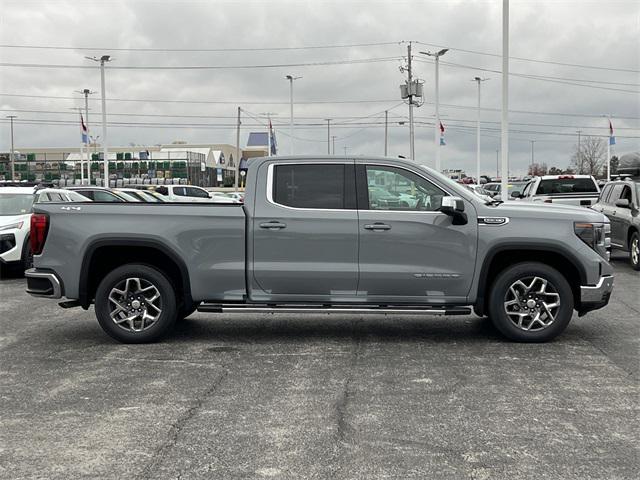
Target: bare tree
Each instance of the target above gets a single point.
(537, 169)
(590, 158)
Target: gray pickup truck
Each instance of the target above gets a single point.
(326, 234)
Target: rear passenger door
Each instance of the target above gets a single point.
(305, 232)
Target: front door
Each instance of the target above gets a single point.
(409, 250)
(305, 235)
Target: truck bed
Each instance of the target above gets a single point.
(207, 237)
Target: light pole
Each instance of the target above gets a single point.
(436, 131)
(504, 134)
(291, 78)
(13, 155)
(479, 81)
(532, 142)
(333, 144)
(103, 59)
(328, 136)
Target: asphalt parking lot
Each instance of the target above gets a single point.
(323, 397)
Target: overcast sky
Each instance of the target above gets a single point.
(600, 34)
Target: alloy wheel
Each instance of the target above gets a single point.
(135, 304)
(532, 303)
(635, 251)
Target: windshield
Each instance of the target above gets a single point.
(447, 181)
(567, 185)
(15, 203)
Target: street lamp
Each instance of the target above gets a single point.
(291, 78)
(103, 59)
(13, 155)
(436, 137)
(479, 80)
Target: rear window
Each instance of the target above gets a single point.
(313, 186)
(15, 204)
(566, 185)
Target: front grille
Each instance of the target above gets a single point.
(7, 242)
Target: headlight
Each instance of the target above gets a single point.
(17, 225)
(596, 235)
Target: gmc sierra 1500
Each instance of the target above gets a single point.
(326, 234)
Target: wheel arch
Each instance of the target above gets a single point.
(102, 256)
(555, 256)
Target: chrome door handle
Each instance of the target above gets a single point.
(377, 226)
(273, 225)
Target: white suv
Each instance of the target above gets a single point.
(15, 220)
(189, 193)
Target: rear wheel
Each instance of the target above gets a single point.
(634, 251)
(136, 304)
(531, 302)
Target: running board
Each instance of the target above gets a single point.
(395, 309)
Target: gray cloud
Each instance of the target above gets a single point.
(592, 33)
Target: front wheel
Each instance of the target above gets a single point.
(634, 251)
(531, 302)
(136, 304)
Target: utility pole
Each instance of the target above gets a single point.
(333, 144)
(609, 148)
(13, 154)
(497, 164)
(105, 149)
(386, 132)
(328, 136)
(345, 151)
(237, 172)
(579, 154)
(505, 102)
(479, 81)
(291, 78)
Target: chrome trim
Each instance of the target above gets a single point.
(595, 293)
(481, 221)
(53, 279)
(270, 199)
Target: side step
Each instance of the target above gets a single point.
(315, 309)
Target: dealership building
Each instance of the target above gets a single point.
(206, 165)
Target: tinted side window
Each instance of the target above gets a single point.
(313, 186)
(179, 191)
(100, 196)
(391, 188)
(196, 192)
(615, 193)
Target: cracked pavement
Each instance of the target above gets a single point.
(318, 397)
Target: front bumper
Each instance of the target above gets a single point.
(42, 283)
(596, 296)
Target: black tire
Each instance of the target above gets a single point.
(184, 312)
(500, 294)
(634, 251)
(165, 305)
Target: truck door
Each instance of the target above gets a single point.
(305, 231)
(410, 251)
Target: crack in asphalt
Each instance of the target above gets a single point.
(173, 434)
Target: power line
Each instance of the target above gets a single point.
(524, 59)
(350, 61)
(240, 49)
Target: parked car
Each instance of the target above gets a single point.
(238, 196)
(100, 194)
(620, 202)
(309, 239)
(480, 191)
(579, 190)
(189, 193)
(15, 220)
(513, 186)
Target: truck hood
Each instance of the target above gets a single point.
(547, 210)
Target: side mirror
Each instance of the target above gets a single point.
(516, 195)
(454, 207)
(623, 203)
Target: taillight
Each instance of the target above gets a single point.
(39, 230)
